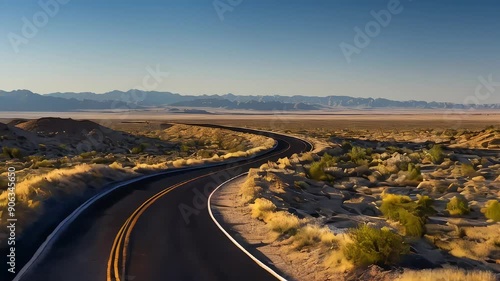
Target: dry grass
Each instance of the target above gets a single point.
(249, 189)
(310, 235)
(59, 185)
(447, 274)
(283, 222)
(262, 208)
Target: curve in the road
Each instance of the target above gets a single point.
(150, 239)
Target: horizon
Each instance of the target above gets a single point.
(251, 95)
(255, 48)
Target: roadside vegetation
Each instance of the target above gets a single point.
(358, 206)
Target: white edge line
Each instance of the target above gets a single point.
(256, 260)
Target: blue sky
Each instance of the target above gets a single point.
(431, 50)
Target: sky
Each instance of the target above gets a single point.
(428, 50)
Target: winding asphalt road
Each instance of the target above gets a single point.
(157, 229)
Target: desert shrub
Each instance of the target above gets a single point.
(313, 235)
(357, 154)
(306, 157)
(414, 172)
(448, 274)
(436, 154)
(89, 154)
(374, 246)
(205, 153)
(317, 169)
(43, 164)
(283, 223)
(410, 214)
(301, 184)
(467, 170)
(346, 146)
(249, 190)
(284, 163)
(102, 160)
(12, 152)
(261, 208)
(492, 210)
(138, 149)
(424, 205)
(458, 206)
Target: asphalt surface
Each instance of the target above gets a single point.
(174, 238)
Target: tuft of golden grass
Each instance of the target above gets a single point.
(448, 274)
(309, 235)
(262, 208)
(283, 222)
(249, 189)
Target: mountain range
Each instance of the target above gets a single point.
(24, 100)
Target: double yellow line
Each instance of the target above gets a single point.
(120, 244)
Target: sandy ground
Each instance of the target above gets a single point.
(254, 236)
(352, 119)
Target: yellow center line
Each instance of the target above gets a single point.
(132, 220)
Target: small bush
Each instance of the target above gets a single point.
(414, 173)
(492, 210)
(12, 152)
(138, 149)
(458, 206)
(436, 154)
(249, 190)
(357, 154)
(261, 208)
(375, 246)
(312, 235)
(283, 223)
(410, 214)
(467, 170)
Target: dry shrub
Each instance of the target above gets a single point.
(458, 206)
(448, 274)
(262, 208)
(283, 222)
(491, 210)
(375, 246)
(312, 235)
(249, 189)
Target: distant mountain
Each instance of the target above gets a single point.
(143, 98)
(249, 105)
(24, 100)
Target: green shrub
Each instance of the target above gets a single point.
(458, 206)
(12, 152)
(411, 215)
(467, 170)
(138, 149)
(414, 173)
(492, 210)
(436, 154)
(357, 154)
(317, 169)
(374, 246)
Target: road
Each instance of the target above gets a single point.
(157, 229)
